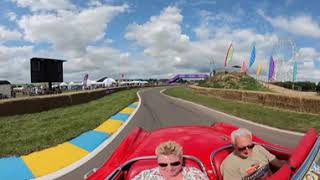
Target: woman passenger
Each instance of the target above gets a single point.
(169, 158)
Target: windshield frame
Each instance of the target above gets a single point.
(303, 169)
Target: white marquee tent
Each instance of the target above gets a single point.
(108, 81)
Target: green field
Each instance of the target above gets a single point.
(273, 117)
(22, 134)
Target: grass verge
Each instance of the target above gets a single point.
(23, 134)
(273, 117)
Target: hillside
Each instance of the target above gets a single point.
(233, 80)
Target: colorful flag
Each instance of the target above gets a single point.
(253, 55)
(85, 80)
(294, 74)
(243, 67)
(229, 55)
(259, 70)
(271, 68)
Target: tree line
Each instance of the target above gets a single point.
(300, 85)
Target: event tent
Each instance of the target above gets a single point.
(108, 81)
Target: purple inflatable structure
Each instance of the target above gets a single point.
(180, 76)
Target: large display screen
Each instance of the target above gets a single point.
(46, 70)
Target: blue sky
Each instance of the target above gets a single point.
(158, 38)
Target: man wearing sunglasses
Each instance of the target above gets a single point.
(247, 161)
(169, 158)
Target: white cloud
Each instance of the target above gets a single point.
(300, 25)
(307, 72)
(12, 52)
(15, 63)
(175, 56)
(36, 5)
(6, 34)
(207, 16)
(210, 21)
(202, 32)
(307, 54)
(95, 3)
(106, 61)
(161, 34)
(167, 50)
(69, 31)
(163, 39)
(306, 57)
(12, 16)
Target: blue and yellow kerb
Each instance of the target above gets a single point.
(49, 160)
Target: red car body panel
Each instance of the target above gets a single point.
(303, 148)
(198, 141)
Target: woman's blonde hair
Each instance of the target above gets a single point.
(168, 148)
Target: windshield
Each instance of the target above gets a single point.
(310, 168)
(314, 170)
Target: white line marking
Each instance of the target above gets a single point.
(89, 156)
(234, 117)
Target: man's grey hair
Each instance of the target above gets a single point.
(239, 132)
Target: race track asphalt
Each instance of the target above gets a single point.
(158, 110)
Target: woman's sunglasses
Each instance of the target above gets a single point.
(177, 163)
(250, 146)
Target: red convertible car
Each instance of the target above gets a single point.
(205, 148)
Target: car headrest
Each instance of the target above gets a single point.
(303, 148)
(145, 164)
(283, 173)
(218, 158)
